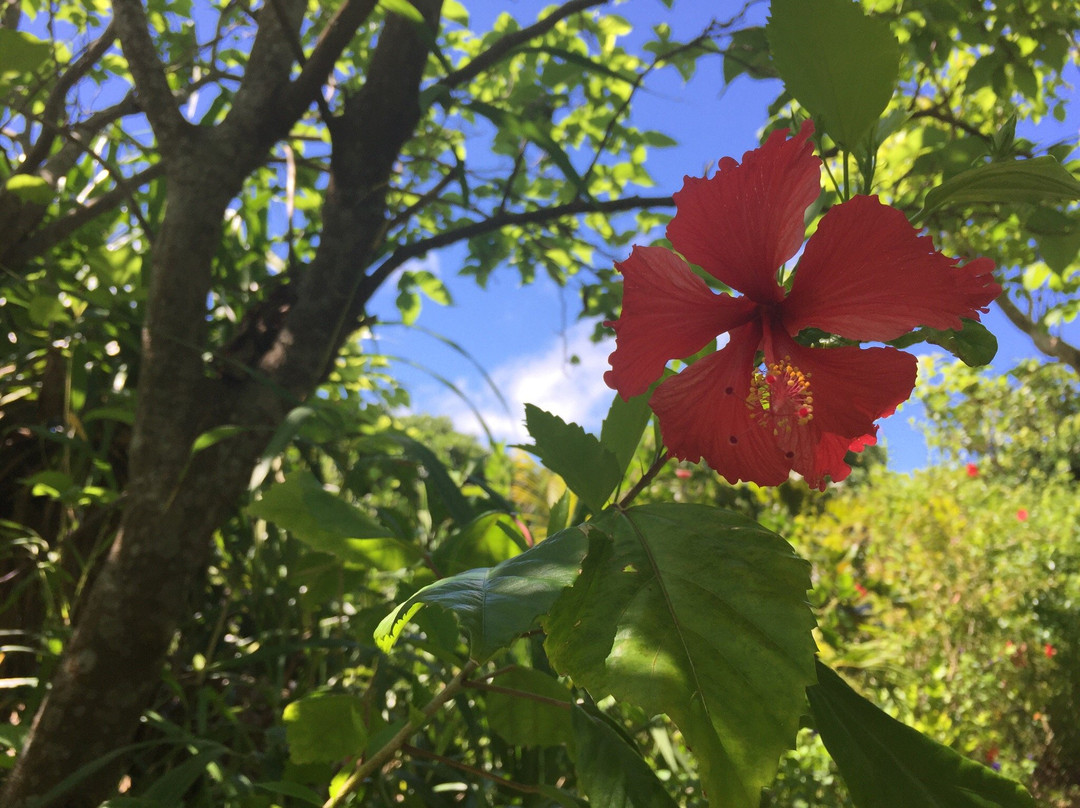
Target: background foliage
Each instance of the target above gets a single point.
(171, 208)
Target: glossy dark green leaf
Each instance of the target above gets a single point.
(612, 772)
(840, 64)
(701, 614)
(496, 605)
(590, 470)
(887, 764)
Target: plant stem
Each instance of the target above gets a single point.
(646, 478)
(394, 745)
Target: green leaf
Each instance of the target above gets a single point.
(495, 605)
(839, 64)
(324, 727)
(613, 773)
(484, 542)
(887, 764)
(975, 345)
(590, 470)
(531, 130)
(701, 614)
(748, 53)
(621, 431)
(327, 523)
(21, 52)
(294, 790)
(437, 482)
(522, 720)
(1037, 180)
(169, 789)
(404, 8)
(29, 188)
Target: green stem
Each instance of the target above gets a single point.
(646, 478)
(394, 745)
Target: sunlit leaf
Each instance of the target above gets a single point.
(496, 605)
(1038, 179)
(325, 727)
(622, 428)
(975, 345)
(330, 524)
(701, 614)
(840, 64)
(486, 541)
(887, 764)
(21, 52)
(590, 470)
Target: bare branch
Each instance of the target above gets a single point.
(499, 221)
(502, 47)
(1050, 345)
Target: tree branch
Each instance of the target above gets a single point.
(1050, 345)
(58, 230)
(155, 97)
(50, 115)
(334, 39)
(503, 46)
(256, 113)
(499, 221)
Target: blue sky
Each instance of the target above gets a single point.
(524, 336)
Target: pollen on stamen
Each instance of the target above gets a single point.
(782, 395)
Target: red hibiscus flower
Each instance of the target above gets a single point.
(865, 274)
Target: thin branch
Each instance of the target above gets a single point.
(540, 216)
(506, 44)
(646, 478)
(514, 785)
(394, 745)
(1050, 345)
(54, 106)
(292, 36)
(337, 35)
(154, 94)
(58, 230)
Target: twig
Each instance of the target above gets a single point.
(646, 478)
(395, 744)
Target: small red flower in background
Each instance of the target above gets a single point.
(1022, 514)
(1049, 650)
(972, 470)
(865, 274)
(992, 754)
(862, 590)
(684, 474)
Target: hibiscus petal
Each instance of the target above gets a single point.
(866, 274)
(851, 388)
(703, 413)
(747, 220)
(668, 312)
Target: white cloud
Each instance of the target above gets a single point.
(575, 392)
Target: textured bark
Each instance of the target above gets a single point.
(176, 499)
